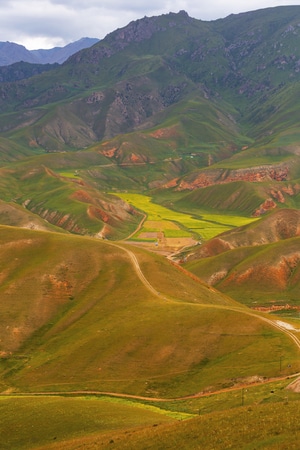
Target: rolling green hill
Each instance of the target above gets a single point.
(127, 424)
(81, 305)
(84, 317)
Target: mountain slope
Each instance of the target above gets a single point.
(22, 70)
(217, 430)
(276, 226)
(257, 264)
(177, 47)
(87, 309)
(66, 201)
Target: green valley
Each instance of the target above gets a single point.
(149, 237)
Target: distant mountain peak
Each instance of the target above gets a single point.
(11, 52)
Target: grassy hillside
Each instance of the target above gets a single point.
(256, 276)
(233, 198)
(12, 214)
(70, 417)
(219, 86)
(240, 428)
(77, 304)
(262, 415)
(234, 429)
(256, 264)
(63, 199)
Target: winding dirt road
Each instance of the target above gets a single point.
(274, 323)
(279, 326)
(137, 268)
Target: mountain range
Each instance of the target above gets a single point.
(11, 52)
(18, 63)
(171, 137)
(200, 115)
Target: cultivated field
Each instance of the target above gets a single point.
(178, 228)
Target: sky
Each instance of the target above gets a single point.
(46, 24)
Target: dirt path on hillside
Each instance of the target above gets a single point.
(295, 386)
(157, 399)
(138, 228)
(137, 268)
(279, 325)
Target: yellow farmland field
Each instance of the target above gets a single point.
(161, 225)
(163, 219)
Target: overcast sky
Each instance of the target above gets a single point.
(49, 23)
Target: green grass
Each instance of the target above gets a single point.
(206, 226)
(176, 233)
(263, 413)
(66, 201)
(72, 174)
(107, 332)
(256, 391)
(74, 313)
(261, 426)
(255, 275)
(30, 422)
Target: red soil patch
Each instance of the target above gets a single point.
(275, 277)
(134, 158)
(97, 213)
(266, 206)
(82, 196)
(109, 153)
(164, 133)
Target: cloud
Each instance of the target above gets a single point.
(48, 23)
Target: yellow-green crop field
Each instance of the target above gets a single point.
(159, 219)
(66, 174)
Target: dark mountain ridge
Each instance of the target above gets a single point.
(180, 55)
(22, 70)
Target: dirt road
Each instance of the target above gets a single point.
(279, 325)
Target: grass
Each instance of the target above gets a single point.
(72, 174)
(25, 421)
(250, 395)
(255, 275)
(206, 226)
(263, 426)
(236, 199)
(259, 414)
(67, 202)
(74, 313)
(106, 331)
